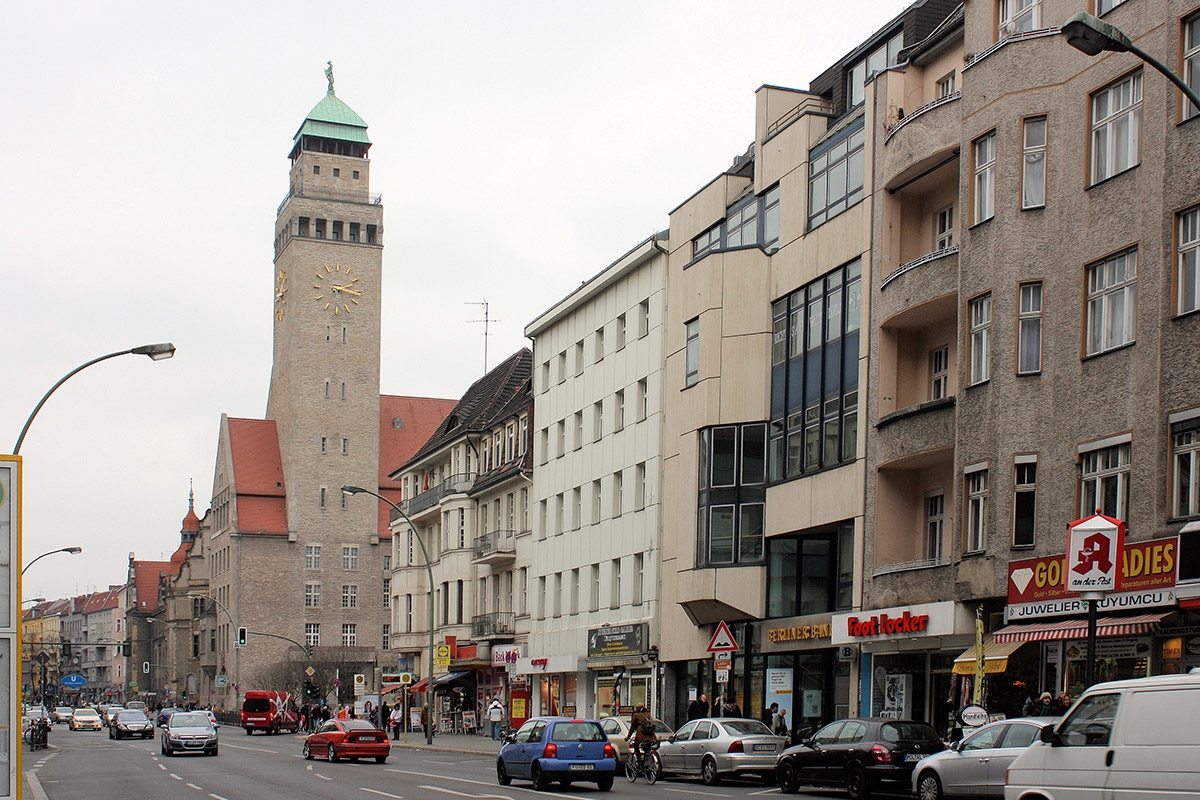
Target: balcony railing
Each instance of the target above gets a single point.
(497, 625)
(916, 262)
(328, 193)
(455, 484)
(904, 566)
(496, 545)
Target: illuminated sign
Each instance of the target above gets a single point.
(882, 624)
(799, 633)
(1145, 566)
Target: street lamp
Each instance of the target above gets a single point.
(156, 352)
(237, 661)
(1093, 36)
(429, 569)
(72, 550)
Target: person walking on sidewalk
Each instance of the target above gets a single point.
(495, 712)
(396, 720)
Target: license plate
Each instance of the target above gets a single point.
(759, 748)
(909, 757)
(575, 767)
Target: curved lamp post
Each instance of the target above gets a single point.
(156, 352)
(429, 569)
(1093, 36)
(237, 661)
(72, 550)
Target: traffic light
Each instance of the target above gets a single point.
(125, 649)
(309, 689)
(146, 666)
(242, 637)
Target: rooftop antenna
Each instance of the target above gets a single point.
(487, 321)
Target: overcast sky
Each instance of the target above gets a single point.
(519, 147)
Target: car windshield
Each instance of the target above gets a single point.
(181, 720)
(63, 710)
(131, 716)
(86, 712)
(579, 731)
(908, 732)
(749, 727)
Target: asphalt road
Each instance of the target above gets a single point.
(86, 765)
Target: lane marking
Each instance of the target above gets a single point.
(384, 794)
(252, 749)
(322, 777)
(489, 784)
(693, 791)
(194, 786)
(765, 791)
(163, 767)
(176, 777)
(217, 796)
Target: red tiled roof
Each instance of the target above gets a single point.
(145, 583)
(419, 418)
(257, 475)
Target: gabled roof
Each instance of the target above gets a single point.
(145, 583)
(257, 476)
(482, 404)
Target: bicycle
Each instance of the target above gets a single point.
(637, 763)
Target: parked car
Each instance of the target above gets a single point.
(1121, 740)
(189, 732)
(713, 747)
(547, 749)
(336, 739)
(131, 723)
(863, 755)
(35, 713)
(109, 712)
(976, 765)
(85, 719)
(61, 714)
(617, 729)
(164, 714)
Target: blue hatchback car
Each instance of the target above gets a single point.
(548, 749)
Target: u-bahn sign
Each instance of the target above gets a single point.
(73, 681)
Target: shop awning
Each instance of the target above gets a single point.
(995, 657)
(420, 685)
(388, 688)
(1138, 625)
(438, 680)
(616, 661)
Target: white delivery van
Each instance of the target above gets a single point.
(1125, 740)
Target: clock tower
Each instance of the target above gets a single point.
(324, 394)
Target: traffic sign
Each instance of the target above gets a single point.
(722, 639)
(406, 678)
(73, 681)
(309, 672)
(722, 676)
(722, 661)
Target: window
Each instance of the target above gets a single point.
(618, 493)
(981, 326)
(597, 420)
(732, 492)
(562, 437)
(885, 55)
(1116, 127)
(312, 556)
(1185, 454)
(642, 399)
(1189, 261)
(639, 577)
(578, 358)
(576, 508)
(599, 344)
(597, 499)
(836, 172)
(946, 86)
(557, 599)
(1019, 16)
(615, 584)
(350, 557)
(349, 634)
(1191, 60)
(320, 229)
(643, 318)
(354, 174)
(943, 237)
(1033, 164)
(1091, 721)
(321, 498)
(302, 226)
(692, 357)
(523, 588)
(336, 172)
(1104, 481)
(387, 592)
(1024, 501)
(387, 636)
(312, 634)
(559, 519)
(1105, 6)
(541, 597)
(337, 230)
(639, 488)
(814, 375)
(621, 331)
(316, 169)
(984, 149)
(349, 596)
(345, 445)
(810, 573)
(1029, 346)
(1112, 296)
(562, 366)
(706, 242)
(355, 231)
(935, 525)
(741, 224)
(573, 605)
(939, 373)
(619, 410)
(546, 376)
(578, 429)
(312, 595)
(977, 509)
(770, 222)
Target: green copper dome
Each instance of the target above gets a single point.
(332, 119)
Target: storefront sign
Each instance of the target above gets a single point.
(617, 641)
(547, 665)
(799, 633)
(1145, 566)
(505, 654)
(1110, 648)
(1076, 605)
(906, 622)
(1093, 547)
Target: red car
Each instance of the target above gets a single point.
(347, 738)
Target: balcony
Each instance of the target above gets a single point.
(329, 193)
(497, 547)
(921, 140)
(497, 625)
(456, 484)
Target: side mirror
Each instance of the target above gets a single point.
(1049, 736)
(955, 746)
(809, 743)
(671, 738)
(509, 738)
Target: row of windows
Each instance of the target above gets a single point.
(616, 487)
(337, 172)
(620, 336)
(335, 229)
(568, 586)
(753, 220)
(732, 494)
(641, 411)
(312, 557)
(450, 598)
(344, 447)
(312, 634)
(312, 594)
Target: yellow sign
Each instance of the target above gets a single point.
(799, 633)
(441, 655)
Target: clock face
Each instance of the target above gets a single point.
(281, 288)
(336, 291)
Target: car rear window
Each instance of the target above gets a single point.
(179, 720)
(579, 732)
(908, 732)
(749, 727)
(256, 704)
(86, 712)
(357, 725)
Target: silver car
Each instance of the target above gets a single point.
(189, 732)
(617, 729)
(976, 765)
(718, 746)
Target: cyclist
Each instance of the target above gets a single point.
(642, 732)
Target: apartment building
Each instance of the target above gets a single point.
(595, 574)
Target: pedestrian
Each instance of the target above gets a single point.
(698, 708)
(1062, 703)
(1045, 706)
(425, 719)
(495, 714)
(396, 720)
(779, 725)
(732, 709)
(768, 714)
(304, 712)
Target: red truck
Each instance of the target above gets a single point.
(270, 712)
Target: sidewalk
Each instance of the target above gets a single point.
(451, 743)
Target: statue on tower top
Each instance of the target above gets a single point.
(329, 75)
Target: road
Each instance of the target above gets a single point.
(86, 765)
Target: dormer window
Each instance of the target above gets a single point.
(882, 57)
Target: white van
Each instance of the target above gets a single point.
(1120, 741)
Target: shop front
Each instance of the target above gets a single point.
(799, 669)
(906, 667)
(552, 685)
(623, 669)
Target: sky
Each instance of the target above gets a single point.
(519, 147)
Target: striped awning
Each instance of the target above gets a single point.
(995, 657)
(1077, 628)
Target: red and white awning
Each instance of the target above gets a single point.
(1139, 625)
